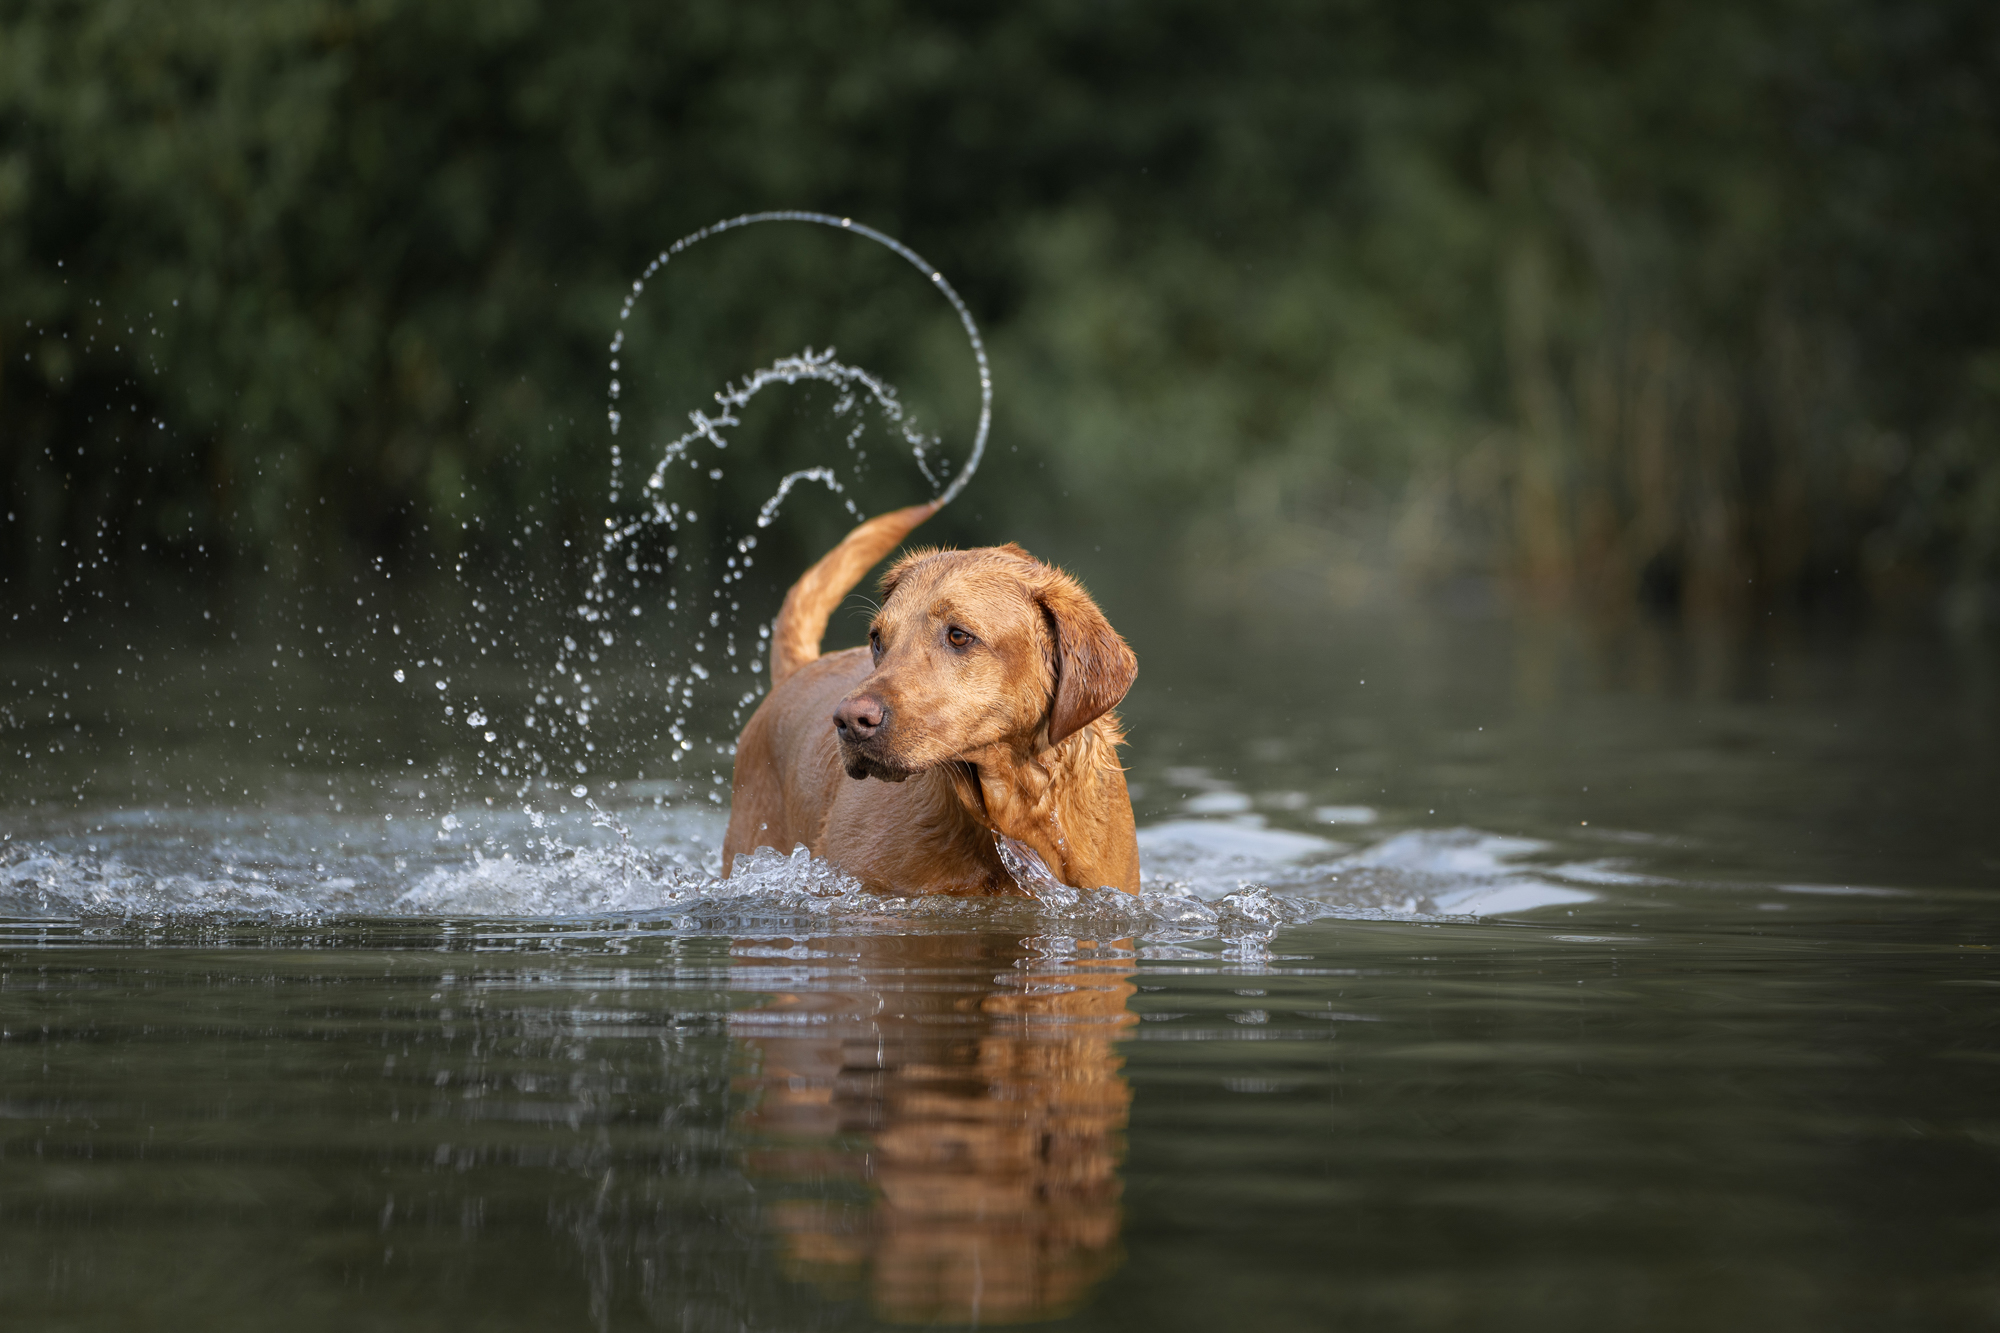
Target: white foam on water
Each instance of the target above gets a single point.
(1235, 878)
(1462, 872)
(1508, 897)
(1603, 872)
(1448, 853)
(1420, 873)
(1839, 890)
(1198, 845)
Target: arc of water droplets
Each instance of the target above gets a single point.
(916, 260)
(853, 385)
(809, 365)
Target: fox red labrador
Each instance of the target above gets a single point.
(980, 709)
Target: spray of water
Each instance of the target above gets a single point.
(691, 670)
(922, 265)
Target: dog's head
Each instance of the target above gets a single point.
(977, 649)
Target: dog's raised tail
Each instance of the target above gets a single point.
(802, 619)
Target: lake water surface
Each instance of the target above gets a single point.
(1492, 972)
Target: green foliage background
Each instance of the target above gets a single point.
(1685, 303)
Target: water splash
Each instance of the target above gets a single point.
(655, 868)
(690, 672)
(921, 264)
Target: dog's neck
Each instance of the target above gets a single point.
(1062, 802)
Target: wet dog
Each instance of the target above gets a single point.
(977, 719)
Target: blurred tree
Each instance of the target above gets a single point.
(1681, 302)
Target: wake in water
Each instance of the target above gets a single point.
(655, 867)
(656, 889)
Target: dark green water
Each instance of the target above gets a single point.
(1658, 990)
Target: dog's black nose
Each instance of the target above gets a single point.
(859, 718)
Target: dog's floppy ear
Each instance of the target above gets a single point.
(1094, 668)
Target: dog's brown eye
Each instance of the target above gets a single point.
(875, 642)
(957, 637)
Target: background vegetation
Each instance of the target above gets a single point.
(1685, 304)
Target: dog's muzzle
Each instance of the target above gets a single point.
(860, 722)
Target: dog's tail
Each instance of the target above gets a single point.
(802, 620)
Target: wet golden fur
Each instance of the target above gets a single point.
(1008, 732)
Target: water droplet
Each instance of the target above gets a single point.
(440, 684)
(579, 790)
(399, 675)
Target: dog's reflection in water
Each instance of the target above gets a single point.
(945, 1113)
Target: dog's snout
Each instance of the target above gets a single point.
(859, 717)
